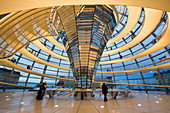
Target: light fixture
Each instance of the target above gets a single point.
(102, 106)
(157, 101)
(56, 106)
(22, 102)
(139, 105)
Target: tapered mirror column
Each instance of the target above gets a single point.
(86, 31)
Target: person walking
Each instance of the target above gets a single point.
(104, 91)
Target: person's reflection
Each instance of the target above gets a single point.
(20, 109)
(49, 102)
(37, 106)
(148, 101)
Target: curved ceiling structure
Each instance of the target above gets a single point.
(133, 17)
(42, 47)
(163, 42)
(56, 43)
(35, 58)
(6, 5)
(123, 42)
(148, 27)
(12, 65)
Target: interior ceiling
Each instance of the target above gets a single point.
(12, 6)
(25, 25)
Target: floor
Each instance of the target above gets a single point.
(136, 103)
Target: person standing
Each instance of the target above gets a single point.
(104, 91)
(41, 91)
(13, 60)
(28, 67)
(43, 88)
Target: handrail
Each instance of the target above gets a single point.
(9, 84)
(134, 84)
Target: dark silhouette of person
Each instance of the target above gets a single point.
(28, 67)
(41, 91)
(121, 56)
(13, 60)
(104, 91)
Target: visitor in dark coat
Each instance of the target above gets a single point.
(104, 91)
(41, 91)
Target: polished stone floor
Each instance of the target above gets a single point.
(136, 103)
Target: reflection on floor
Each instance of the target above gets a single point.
(135, 103)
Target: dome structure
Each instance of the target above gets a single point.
(124, 44)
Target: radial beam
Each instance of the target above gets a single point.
(55, 42)
(45, 49)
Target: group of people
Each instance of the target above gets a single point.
(13, 60)
(42, 89)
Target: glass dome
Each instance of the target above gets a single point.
(136, 54)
